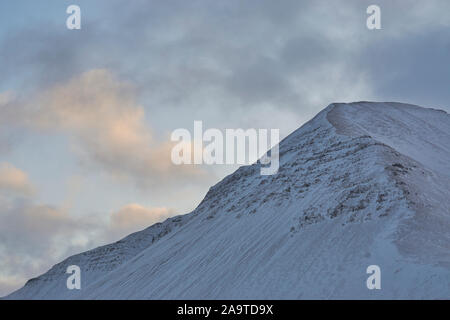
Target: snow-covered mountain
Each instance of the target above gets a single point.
(360, 184)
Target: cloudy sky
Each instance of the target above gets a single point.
(86, 115)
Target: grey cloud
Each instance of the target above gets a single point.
(414, 69)
(176, 50)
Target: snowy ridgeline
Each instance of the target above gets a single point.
(360, 184)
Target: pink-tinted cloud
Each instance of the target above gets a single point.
(107, 125)
(133, 217)
(14, 180)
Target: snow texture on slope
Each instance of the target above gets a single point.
(360, 184)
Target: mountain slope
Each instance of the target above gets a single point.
(360, 184)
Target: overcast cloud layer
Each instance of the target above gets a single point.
(86, 115)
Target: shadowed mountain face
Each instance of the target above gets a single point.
(360, 184)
